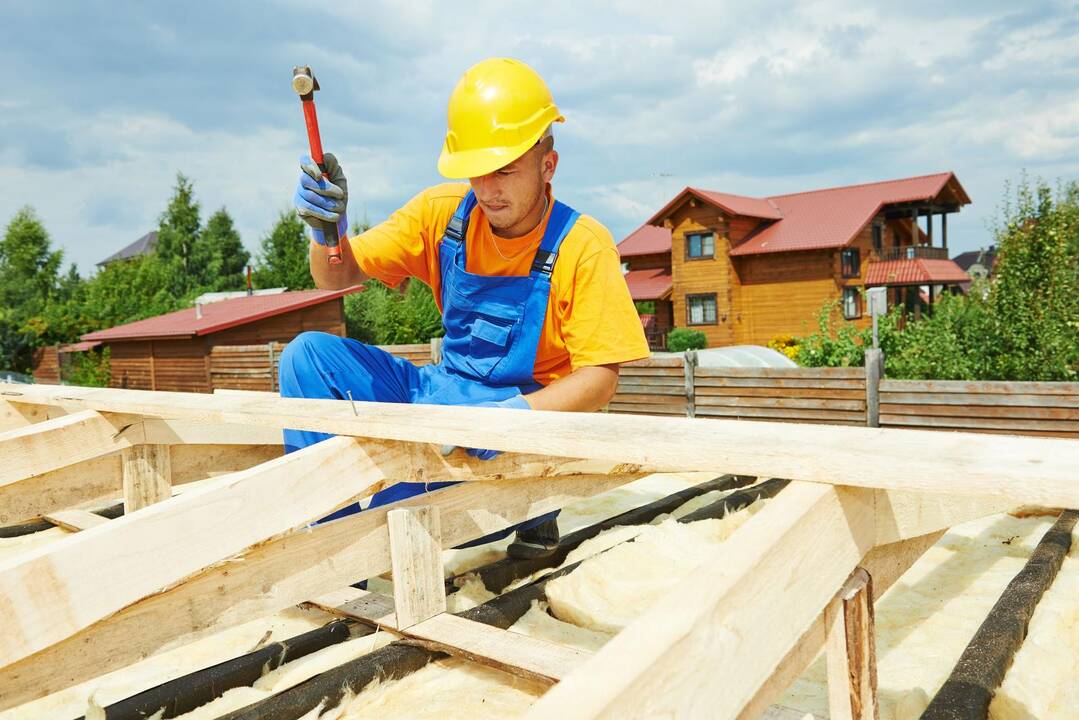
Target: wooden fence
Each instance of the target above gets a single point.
(845, 396)
(254, 367)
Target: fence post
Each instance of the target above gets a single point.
(689, 364)
(436, 350)
(874, 362)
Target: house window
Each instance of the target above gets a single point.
(852, 303)
(701, 309)
(700, 245)
(878, 238)
(851, 262)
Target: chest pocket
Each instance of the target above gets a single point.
(489, 342)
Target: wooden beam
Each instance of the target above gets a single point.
(147, 476)
(54, 592)
(63, 441)
(886, 564)
(280, 573)
(14, 415)
(419, 589)
(852, 654)
(511, 652)
(33, 497)
(198, 462)
(901, 515)
(775, 575)
(75, 520)
(1027, 470)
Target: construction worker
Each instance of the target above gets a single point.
(535, 309)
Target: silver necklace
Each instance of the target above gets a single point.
(494, 240)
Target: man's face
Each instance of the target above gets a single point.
(508, 195)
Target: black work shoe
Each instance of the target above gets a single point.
(537, 542)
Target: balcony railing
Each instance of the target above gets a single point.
(910, 252)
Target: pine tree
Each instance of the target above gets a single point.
(283, 259)
(219, 255)
(178, 234)
(29, 280)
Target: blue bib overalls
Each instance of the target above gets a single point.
(492, 330)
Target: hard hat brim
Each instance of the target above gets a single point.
(465, 164)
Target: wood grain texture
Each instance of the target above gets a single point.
(776, 574)
(75, 520)
(419, 591)
(147, 476)
(851, 651)
(1026, 470)
(282, 572)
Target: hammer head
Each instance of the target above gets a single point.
(303, 80)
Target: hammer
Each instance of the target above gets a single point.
(305, 85)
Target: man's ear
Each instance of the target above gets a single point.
(548, 165)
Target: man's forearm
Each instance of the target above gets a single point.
(334, 277)
(586, 389)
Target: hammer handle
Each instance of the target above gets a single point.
(314, 140)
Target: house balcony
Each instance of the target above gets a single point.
(913, 252)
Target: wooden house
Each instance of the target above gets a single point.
(172, 351)
(746, 270)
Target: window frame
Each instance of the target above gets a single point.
(689, 309)
(702, 234)
(851, 269)
(855, 292)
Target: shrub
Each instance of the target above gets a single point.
(681, 339)
(786, 344)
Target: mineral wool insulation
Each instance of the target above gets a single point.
(923, 624)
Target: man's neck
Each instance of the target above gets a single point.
(528, 223)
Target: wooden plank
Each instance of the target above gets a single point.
(419, 590)
(511, 652)
(985, 411)
(198, 462)
(901, 515)
(851, 651)
(967, 399)
(640, 389)
(283, 572)
(55, 591)
(976, 387)
(775, 402)
(823, 393)
(13, 416)
(75, 520)
(705, 381)
(646, 408)
(780, 413)
(649, 399)
(63, 441)
(976, 423)
(776, 574)
(1025, 469)
(654, 361)
(38, 495)
(783, 373)
(190, 432)
(147, 476)
(885, 564)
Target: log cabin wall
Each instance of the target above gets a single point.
(648, 262)
(703, 276)
(782, 292)
(183, 364)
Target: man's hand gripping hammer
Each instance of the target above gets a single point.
(305, 85)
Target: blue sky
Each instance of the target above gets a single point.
(105, 102)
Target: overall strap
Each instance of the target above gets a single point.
(558, 226)
(458, 226)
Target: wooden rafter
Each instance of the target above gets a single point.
(1040, 470)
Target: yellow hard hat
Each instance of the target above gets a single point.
(498, 111)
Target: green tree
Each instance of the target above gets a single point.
(380, 315)
(131, 290)
(283, 259)
(219, 257)
(178, 234)
(1034, 298)
(29, 283)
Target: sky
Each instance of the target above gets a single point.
(104, 102)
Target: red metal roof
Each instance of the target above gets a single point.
(831, 218)
(646, 240)
(217, 316)
(762, 208)
(78, 347)
(917, 271)
(651, 284)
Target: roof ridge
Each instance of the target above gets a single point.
(723, 192)
(862, 185)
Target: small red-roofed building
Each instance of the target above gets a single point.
(746, 270)
(172, 351)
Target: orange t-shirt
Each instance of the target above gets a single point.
(590, 315)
